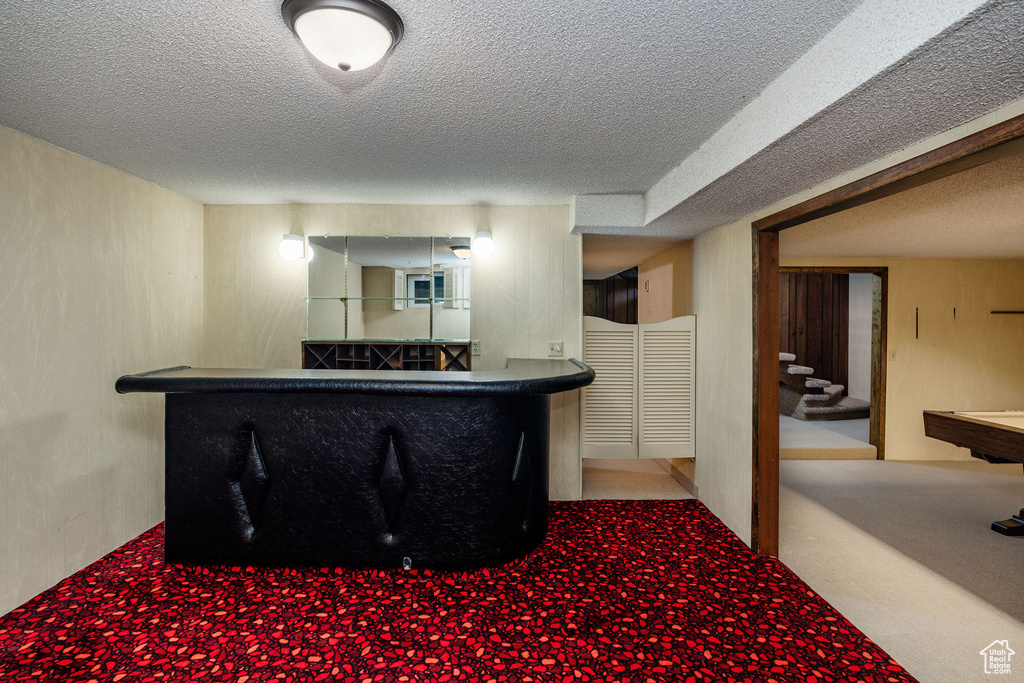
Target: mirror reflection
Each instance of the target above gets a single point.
(388, 288)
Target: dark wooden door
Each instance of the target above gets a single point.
(614, 298)
(621, 295)
(814, 317)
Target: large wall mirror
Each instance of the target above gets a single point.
(388, 288)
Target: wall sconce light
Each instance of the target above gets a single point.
(463, 251)
(483, 245)
(349, 35)
(292, 247)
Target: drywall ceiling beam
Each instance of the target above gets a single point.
(609, 213)
(872, 38)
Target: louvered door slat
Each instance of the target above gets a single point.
(666, 389)
(609, 405)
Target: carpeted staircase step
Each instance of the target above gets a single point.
(826, 406)
(846, 408)
(806, 385)
(798, 378)
(808, 398)
(831, 394)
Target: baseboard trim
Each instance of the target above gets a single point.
(678, 475)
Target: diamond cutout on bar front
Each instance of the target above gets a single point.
(522, 479)
(251, 488)
(392, 485)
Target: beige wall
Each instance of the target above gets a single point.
(254, 312)
(100, 275)
(526, 294)
(666, 285)
(356, 328)
(325, 318)
(859, 357)
(723, 302)
(974, 363)
(380, 319)
(452, 319)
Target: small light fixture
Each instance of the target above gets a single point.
(462, 250)
(292, 247)
(349, 35)
(483, 245)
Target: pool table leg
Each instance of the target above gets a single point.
(1010, 527)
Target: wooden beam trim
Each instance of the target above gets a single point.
(838, 270)
(883, 364)
(765, 489)
(982, 147)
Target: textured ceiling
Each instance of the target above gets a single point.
(503, 101)
(977, 213)
(970, 69)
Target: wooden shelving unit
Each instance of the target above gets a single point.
(385, 355)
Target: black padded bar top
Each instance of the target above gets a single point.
(522, 376)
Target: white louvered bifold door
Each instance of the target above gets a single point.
(399, 302)
(609, 404)
(451, 287)
(667, 389)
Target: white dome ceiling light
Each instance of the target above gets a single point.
(344, 34)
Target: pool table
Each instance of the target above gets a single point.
(996, 437)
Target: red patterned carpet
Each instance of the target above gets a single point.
(619, 591)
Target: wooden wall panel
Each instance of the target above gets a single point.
(101, 274)
(621, 297)
(593, 298)
(723, 298)
(814, 317)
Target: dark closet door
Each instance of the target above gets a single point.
(814, 311)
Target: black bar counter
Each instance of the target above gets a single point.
(522, 376)
(357, 468)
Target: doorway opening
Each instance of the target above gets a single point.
(832, 370)
(632, 284)
(989, 144)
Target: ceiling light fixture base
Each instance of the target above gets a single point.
(348, 35)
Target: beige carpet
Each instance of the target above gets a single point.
(904, 550)
(825, 440)
(633, 479)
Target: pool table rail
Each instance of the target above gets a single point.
(991, 440)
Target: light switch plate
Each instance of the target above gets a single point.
(554, 348)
